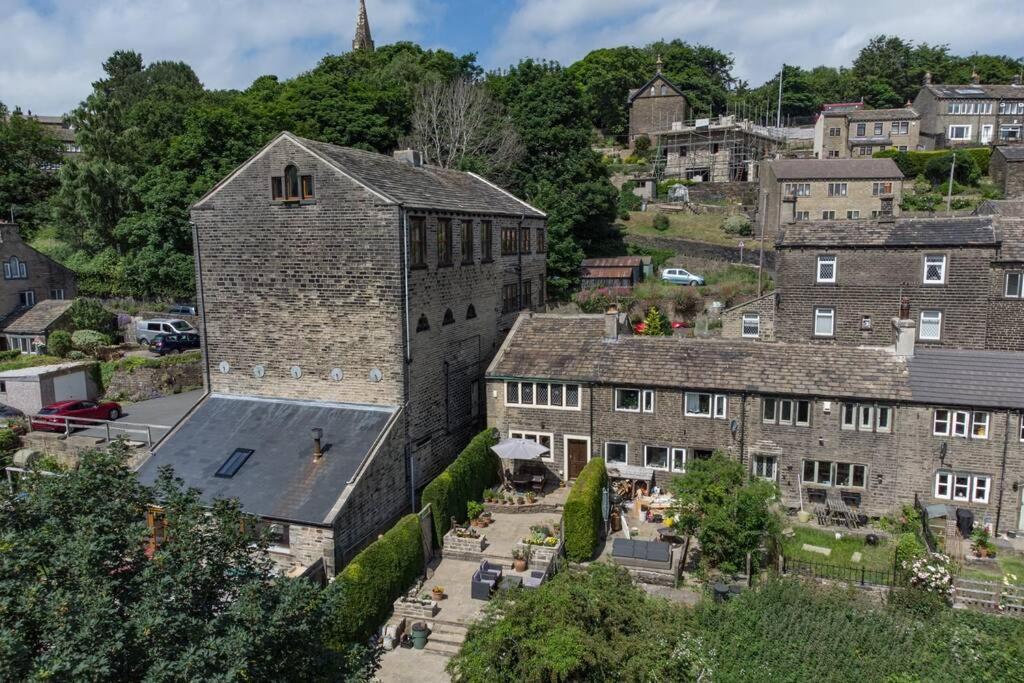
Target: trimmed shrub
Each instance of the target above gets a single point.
(582, 514)
(360, 598)
(738, 224)
(642, 147)
(89, 314)
(628, 201)
(9, 354)
(660, 222)
(88, 341)
(476, 469)
(914, 164)
(909, 547)
(59, 343)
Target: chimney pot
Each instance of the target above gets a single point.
(611, 323)
(317, 451)
(975, 78)
(409, 156)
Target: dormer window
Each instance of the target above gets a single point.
(291, 186)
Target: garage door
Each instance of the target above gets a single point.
(66, 387)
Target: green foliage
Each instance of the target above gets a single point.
(88, 341)
(920, 202)
(738, 224)
(728, 513)
(642, 147)
(89, 314)
(661, 222)
(230, 616)
(656, 324)
(659, 257)
(933, 166)
(665, 185)
(9, 354)
(628, 200)
(476, 468)
(582, 514)
(966, 170)
(592, 625)
(360, 598)
(27, 152)
(59, 343)
(688, 302)
(25, 360)
(9, 442)
(474, 509)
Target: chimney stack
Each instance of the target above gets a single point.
(904, 332)
(1015, 80)
(927, 77)
(975, 78)
(904, 308)
(409, 156)
(317, 450)
(611, 323)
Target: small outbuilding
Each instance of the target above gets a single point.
(28, 330)
(1007, 170)
(29, 389)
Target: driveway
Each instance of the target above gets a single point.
(161, 413)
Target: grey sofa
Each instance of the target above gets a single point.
(485, 580)
(642, 554)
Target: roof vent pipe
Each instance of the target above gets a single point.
(317, 450)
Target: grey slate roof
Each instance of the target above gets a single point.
(572, 348)
(840, 169)
(1011, 231)
(983, 379)
(39, 318)
(1012, 152)
(904, 232)
(1001, 207)
(280, 479)
(899, 114)
(423, 187)
(613, 262)
(967, 92)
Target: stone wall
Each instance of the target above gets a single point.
(744, 193)
(143, 383)
(1008, 176)
(42, 274)
(1005, 329)
(859, 197)
(653, 112)
(471, 549)
(713, 252)
(764, 307)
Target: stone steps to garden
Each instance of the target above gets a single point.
(446, 638)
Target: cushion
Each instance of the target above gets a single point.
(622, 547)
(657, 552)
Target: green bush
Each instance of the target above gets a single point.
(659, 257)
(908, 547)
(59, 343)
(660, 222)
(688, 302)
(664, 185)
(89, 314)
(966, 170)
(9, 354)
(738, 225)
(360, 598)
(642, 147)
(914, 164)
(628, 201)
(582, 514)
(476, 468)
(88, 341)
(9, 442)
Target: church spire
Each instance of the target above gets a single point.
(363, 40)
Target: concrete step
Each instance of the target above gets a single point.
(442, 648)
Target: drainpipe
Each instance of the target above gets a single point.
(406, 381)
(519, 257)
(743, 426)
(1002, 472)
(202, 302)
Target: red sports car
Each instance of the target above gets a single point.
(52, 417)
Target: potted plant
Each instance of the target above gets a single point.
(520, 500)
(531, 497)
(980, 543)
(488, 495)
(437, 593)
(473, 509)
(521, 558)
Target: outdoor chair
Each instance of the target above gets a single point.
(483, 584)
(491, 568)
(534, 579)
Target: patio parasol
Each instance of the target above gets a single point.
(518, 449)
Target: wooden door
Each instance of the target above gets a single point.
(577, 450)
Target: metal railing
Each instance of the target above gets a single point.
(846, 573)
(70, 423)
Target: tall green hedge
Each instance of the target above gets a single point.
(582, 518)
(914, 163)
(476, 469)
(361, 596)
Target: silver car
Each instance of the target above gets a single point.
(679, 276)
(146, 330)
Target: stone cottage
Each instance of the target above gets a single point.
(655, 106)
(350, 303)
(1007, 170)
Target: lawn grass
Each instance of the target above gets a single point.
(701, 228)
(878, 557)
(1008, 564)
(26, 360)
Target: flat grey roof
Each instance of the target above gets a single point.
(993, 379)
(281, 479)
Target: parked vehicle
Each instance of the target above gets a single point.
(52, 417)
(147, 330)
(679, 276)
(163, 344)
(182, 309)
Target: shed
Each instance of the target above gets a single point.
(1007, 170)
(29, 389)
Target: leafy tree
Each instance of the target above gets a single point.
(28, 155)
(592, 625)
(656, 324)
(89, 314)
(83, 600)
(965, 171)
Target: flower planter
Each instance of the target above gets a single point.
(437, 595)
(520, 565)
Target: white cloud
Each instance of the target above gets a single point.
(53, 54)
(760, 36)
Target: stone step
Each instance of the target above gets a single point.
(442, 648)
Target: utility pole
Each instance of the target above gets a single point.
(949, 190)
(778, 110)
(760, 260)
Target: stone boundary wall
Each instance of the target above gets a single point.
(713, 252)
(519, 509)
(735, 192)
(141, 383)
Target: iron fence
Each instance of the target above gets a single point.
(847, 573)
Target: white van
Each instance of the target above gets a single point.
(146, 330)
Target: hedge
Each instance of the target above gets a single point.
(582, 517)
(913, 163)
(476, 469)
(361, 596)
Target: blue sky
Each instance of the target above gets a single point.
(52, 49)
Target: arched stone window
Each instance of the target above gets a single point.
(664, 90)
(470, 312)
(423, 325)
(15, 269)
(449, 317)
(292, 186)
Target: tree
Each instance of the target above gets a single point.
(459, 125)
(58, 343)
(89, 314)
(28, 159)
(656, 324)
(729, 514)
(83, 599)
(590, 625)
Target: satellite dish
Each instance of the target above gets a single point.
(258, 371)
(224, 367)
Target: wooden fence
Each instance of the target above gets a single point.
(991, 596)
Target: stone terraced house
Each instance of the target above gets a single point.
(841, 133)
(959, 279)
(970, 115)
(350, 303)
(876, 425)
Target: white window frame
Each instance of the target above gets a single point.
(932, 315)
(57, 294)
(943, 485)
(838, 189)
(620, 391)
(888, 412)
(760, 464)
(803, 215)
(668, 454)
(672, 464)
(977, 482)
(825, 312)
(750, 320)
(934, 260)
(786, 405)
(962, 481)
(797, 190)
(535, 436)
(946, 421)
(961, 424)
(967, 128)
(796, 412)
(1016, 292)
(826, 260)
(853, 467)
(698, 394)
(27, 297)
(865, 417)
(817, 472)
(848, 417)
(647, 400)
(563, 391)
(616, 443)
(721, 407)
(982, 423)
